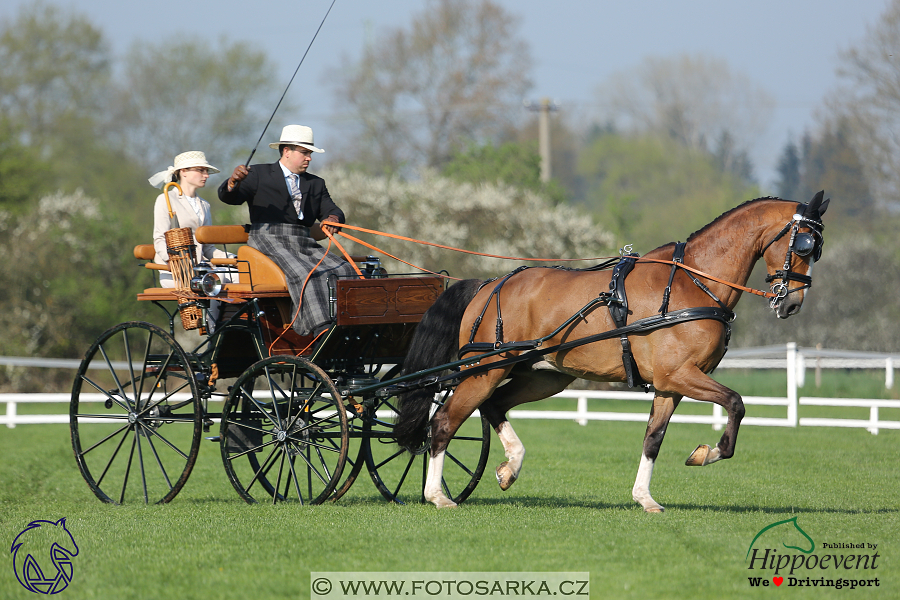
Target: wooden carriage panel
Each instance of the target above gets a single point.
(277, 315)
(385, 300)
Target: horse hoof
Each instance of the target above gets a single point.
(655, 509)
(446, 504)
(698, 457)
(505, 476)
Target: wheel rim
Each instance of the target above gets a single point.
(135, 416)
(400, 475)
(287, 441)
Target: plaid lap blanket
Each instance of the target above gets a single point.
(296, 254)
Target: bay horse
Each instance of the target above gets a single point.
(674, 359)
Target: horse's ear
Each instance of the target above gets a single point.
(823, 207)
(815, 206)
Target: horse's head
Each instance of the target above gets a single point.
(791, 253)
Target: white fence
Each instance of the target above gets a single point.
(795, 361)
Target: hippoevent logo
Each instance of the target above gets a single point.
(42, 556)
(782, 553)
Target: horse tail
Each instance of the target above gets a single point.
(434, 343)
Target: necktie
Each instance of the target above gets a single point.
(294, 186)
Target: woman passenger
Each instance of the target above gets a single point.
(190, 171)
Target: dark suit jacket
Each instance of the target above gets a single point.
(266, 193)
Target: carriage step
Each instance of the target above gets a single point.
(214, 438)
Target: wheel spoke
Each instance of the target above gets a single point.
(296, 484)
(115, 452)
(409, 464)
(165, 441)
(105, 393)
(115, 376)
(280, 471)
(461, 466)
(128, 468)
(162, 468)
(107, 438)
(310, 466)
(137, 436)
(264, 469)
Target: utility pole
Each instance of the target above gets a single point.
(543, 109)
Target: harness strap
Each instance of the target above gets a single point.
(494, 292)
(640, 326)
(617, 303)
(677, 258)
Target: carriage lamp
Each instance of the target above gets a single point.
(206, 281)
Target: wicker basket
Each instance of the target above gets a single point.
(182, 258)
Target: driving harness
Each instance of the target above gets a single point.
(616, 301)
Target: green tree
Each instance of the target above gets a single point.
(697, 101)
(868, 105)
(515, 164)
(650, 190)
(788, 185)
(179, 95)
(22, 171)
(418, 95)
(56, 70)
(831, 162)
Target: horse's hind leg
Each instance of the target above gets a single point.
(468, 396)
(663, 406)
(525, 386)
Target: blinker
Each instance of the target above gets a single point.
(804, 244)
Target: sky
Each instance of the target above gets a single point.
(790, 48)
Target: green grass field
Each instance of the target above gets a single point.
(570, 511)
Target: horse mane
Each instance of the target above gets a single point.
(728, 213)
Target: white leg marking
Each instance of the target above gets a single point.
(433, 491)
(641, 490)
(508, 471)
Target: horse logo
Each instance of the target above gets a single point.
(34, 542)
(786, 532)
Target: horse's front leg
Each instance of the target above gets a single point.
(708, 389)
(664, 405)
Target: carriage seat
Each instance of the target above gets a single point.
(260, 276)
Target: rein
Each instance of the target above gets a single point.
(424, 243)
(704, 275)
(778, 293)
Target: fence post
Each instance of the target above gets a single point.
(873, 417)
(889, 372)
(11, 415)
(792, 383)
(582, 410)
(717, 417)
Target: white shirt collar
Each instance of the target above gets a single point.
(285, 170)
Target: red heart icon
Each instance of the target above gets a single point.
(778, 580)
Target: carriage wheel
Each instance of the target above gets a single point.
(284, 433)
(400, 475)
(135, 415)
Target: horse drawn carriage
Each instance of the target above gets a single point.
(302, 419)
(294, 421)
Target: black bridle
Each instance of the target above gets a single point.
(802, 243)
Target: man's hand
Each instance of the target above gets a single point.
(239, 174)
(330, 219)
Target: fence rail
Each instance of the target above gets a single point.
(794, 360)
